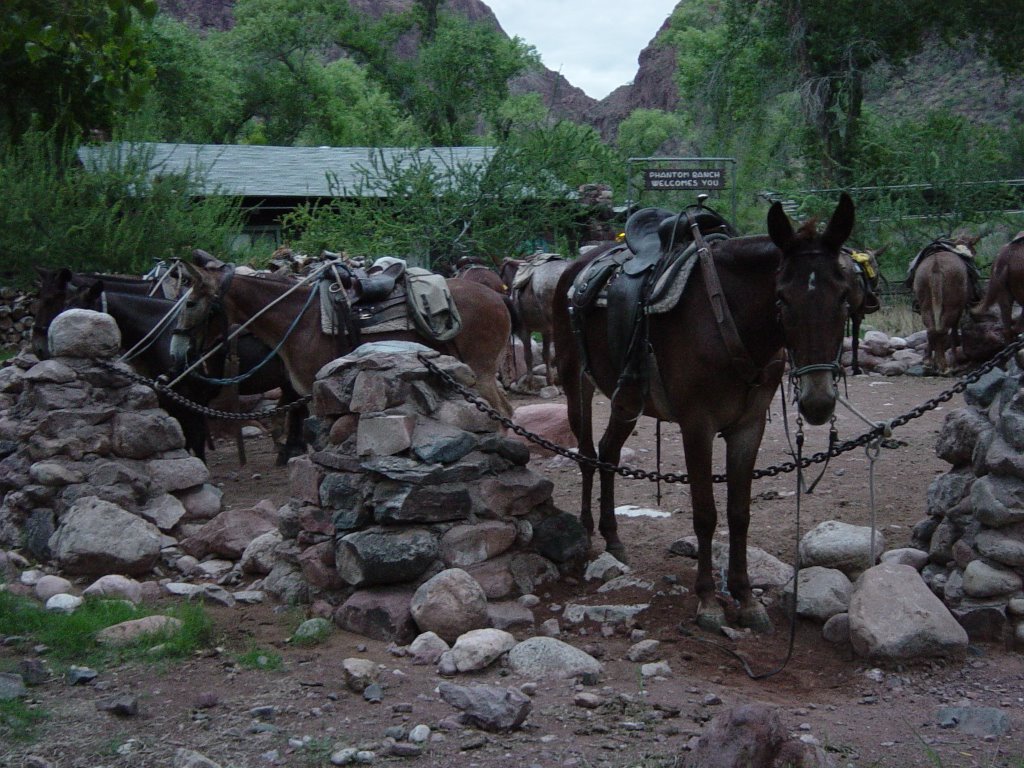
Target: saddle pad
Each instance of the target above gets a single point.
(669, 287)
(525, 271)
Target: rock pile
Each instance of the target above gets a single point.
(413, 511)
(94, 476)
(981, 337)
(974, 532)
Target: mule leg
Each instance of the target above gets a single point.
(626, 407)
(855, 344)
(741, 455)
(546, 352)
(697, 448)
(579, 396)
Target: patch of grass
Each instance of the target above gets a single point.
(260, 658)
(895, 318)
(71, 638)
(19, 721)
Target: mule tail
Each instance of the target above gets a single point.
(935, 289)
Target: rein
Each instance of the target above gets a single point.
(314, 275)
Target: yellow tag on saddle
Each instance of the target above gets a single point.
(864, 259)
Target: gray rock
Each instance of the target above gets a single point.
(845, 547)
(974, 721)
(983, 580)
(479, 648)
(488, 707)
(752, 736)
(449, 604)
(893, 615)
(384, 556)
(822, 593)
(12, 686)
(84, 334)
(546, 657)
(97, 537)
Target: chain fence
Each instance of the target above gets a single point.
(873, 435)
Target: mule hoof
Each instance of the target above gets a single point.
(618, 551)
(711, 618)
(756, 618)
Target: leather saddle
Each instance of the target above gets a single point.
(659, 246)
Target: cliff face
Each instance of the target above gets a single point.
(653, 88)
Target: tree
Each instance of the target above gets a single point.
(829, 45)
(645, 131)
(462, 76)
(71, 65)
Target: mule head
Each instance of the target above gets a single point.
(50, 301)
(204, 295)
(811, 292)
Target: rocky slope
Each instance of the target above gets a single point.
(653, 88)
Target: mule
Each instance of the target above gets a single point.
(1006, 286)
(285, 317)
(711, 363)
(475, 270)
(942, 286)
(532, 283)
(862, 276)
(142, 318)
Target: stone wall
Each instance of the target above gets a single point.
(974, 532)
(94, 477)
(407, 480)
(15, 318)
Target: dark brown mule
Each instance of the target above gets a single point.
(1006, 285)
(269, 308)
(786, 293)
(862, 276)
(532, 302)
(942, 290)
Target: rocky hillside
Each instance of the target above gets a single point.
(653, 88)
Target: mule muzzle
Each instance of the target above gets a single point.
(181, 347)
(817, 390)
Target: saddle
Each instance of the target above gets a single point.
(961, 250)
(386, 298)
(645, 277)
(525, 271)
(868, 277)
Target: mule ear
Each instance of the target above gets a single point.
(94, 290)
(198, 278)
(780, 228)
(64, 277)
(841, 224)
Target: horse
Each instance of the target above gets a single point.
(1006, 285)
(146, 321)
(943, 287)
(285, 317)
(531, 285)
(862, 276)
(710, 363)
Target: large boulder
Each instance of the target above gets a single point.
(894, 615)
(450, 604)
(97, 537)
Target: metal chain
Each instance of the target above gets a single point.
(205, 410)
(875, 434)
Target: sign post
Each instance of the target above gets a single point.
(681, 174)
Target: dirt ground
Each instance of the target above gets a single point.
(861, 714)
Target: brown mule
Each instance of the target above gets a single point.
(1006, 286)
(270, 307)
(942, 291)
(785, 294)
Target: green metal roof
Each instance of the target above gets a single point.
(267, 172)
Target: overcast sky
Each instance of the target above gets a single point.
(594, 44)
